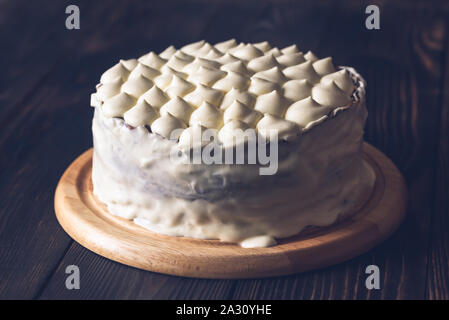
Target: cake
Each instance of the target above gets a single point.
(253, 101)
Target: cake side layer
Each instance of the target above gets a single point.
(134, 176)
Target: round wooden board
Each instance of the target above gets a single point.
(88, 222)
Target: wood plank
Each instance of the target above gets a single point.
(35, 53)
(402, 69)
(146, 41)
(55, 112)
(215, 28)
(438, 271)
(27, 256)
(101, 278)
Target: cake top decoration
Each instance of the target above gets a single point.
(224, 86)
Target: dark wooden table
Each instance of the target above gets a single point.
(48, 73)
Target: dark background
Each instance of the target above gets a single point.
(48, 73)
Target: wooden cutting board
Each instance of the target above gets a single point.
(87, 221)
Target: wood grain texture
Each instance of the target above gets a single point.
(438, 272)
(402, 100)
(49, 73)
(87, 220)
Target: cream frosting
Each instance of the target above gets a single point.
(290, 49)
(233, 133)
(272, 103)
(285, 129)
(304, 70)
(310, 56)
(232, 80)
(155, 97)
(137, 86)
(236, 94)
(206, 76)
(304, 112)
(115, 73)
(108, 90)
(192, 47)
(168, 52)
(143, 70)
(274, 75)
(182, 55)
(261, 86)
(177, 63)
(166, 125)
(141, 114)
(226, 45)
(257, 76)
(238, 66)
(329, 94)
(230, 87)
(192, 137)
(239, 111)
(342, 79)
(247, 52)
(324, 66)
(200, 62)
(263, 45)
(152, 60)
(227, 58)
(275, 52)
(129, 64)
(206, 115)
(288, 60)
(204, 93)
(262, 63)
(178, 108)
(297, 89)
(118, 105)
(178, 87)
(213, 54)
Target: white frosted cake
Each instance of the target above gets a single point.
(253, 100)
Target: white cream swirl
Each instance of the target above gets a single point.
(117, 105)
(304, 70)
(203, 93)
(140, 115)
(329, 94)
(166, 125)
(210, 86)
(239, 111)
(297, 89)
(236, 94)
(155, 97)
(285, 130)
(179, 108)
(232, 80)
(207, 115)
(137, 86)
(117, 72)
(305, 111)
(152, 60)
(272, 103)
(233, 133)
(262, 63)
